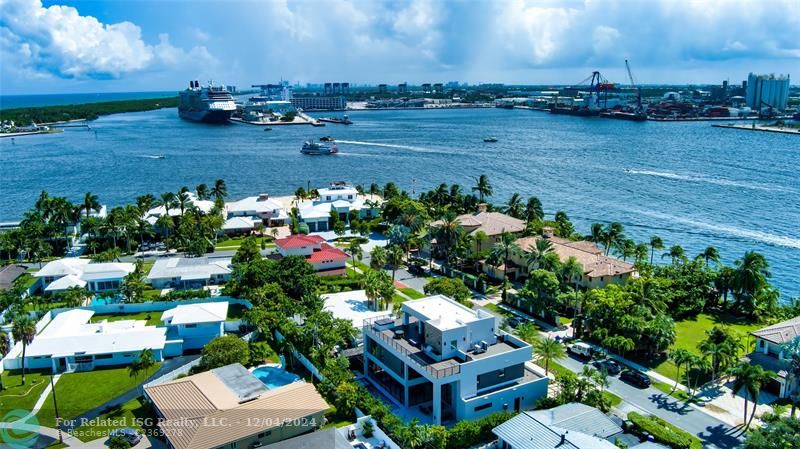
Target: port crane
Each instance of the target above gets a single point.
(638, 89)
(599, 86)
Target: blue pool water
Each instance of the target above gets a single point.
(274, 377)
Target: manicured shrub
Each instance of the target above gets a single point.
(664, 432)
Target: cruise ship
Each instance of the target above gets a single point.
(209, 104)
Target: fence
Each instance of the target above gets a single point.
(183, 369)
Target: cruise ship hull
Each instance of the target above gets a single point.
(206, 116)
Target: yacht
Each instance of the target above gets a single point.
(490, 139)
(209, 104)
(314, 148)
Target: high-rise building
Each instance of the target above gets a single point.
(402, 88)
(382, 88)
(767, 91)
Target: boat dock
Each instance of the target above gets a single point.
(764, 128)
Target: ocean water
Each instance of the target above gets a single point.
(24, 101)
(690, 183)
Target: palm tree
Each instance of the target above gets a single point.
(377, 258)
(448, 233)
(533, 210)
(676, 253)
(23, 329)
(572, 271)
(597, 233)
(5, 346)
(612, 236)
(514, 206)
(655, 244)
(377, 285)
(749, 378)
(752, 272)
(479, 236)
(710, 254)
(146, 360)
(549, 350)
(167, 199)
(202, 191)
(355, 251)
(626, 248)
(502, 251)
(145, 202)
(483, 187)
(679, 357)
(541, 249)
(640, 253)
(395, 258)
(90, 202)
(220, 190)
(183, 201)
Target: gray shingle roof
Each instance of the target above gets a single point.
(9, 274)
(780, 333)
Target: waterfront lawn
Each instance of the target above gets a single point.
(411, 293)
(136, 413)
(17, 396)
(690, 332)
(78, 393)
(152, 318)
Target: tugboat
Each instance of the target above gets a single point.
(490, 139)
(314, 148)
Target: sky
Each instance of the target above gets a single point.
(156, 45)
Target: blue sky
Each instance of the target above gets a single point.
(135, 45)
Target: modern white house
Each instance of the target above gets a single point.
(260, 208)
(189, 272)
(445, 362)
(62, 274)
(326, 259)
(772, 354)
(70, 342)
(339, 197)
(195, 324)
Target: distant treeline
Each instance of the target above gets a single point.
(88, 111)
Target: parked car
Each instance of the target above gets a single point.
(636, 378)
(515, 321)
(611, 366)
(130, 435)
(580, 349)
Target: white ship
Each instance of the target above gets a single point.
(209, 104)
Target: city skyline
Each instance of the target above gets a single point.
(95, 46)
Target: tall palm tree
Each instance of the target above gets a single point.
(183, 201)
(202, 191)
(655, 244)
(514, 206)
(90, 202)
(220, 190)
(710, 254)
(448, 233)
(355, 251)
(680, 357)
(640, 253)
(23, 329)
(549, 350)
(480, 236)
(752, 272)
(395, 258)
(626, 248)
(612, 236)
(534, 210)
(501, 252)
(167, 200)
(483, 187)
(537, 254)
(377, 258)
(375, 284)
(597, 233)
(676, 253)
(145, 202)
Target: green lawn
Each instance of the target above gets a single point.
(27, 280)
(78, 393)
(358, 263)
(564, 320)
(230, 243)
(17, 396)
(612, 398)
(667, 388)
(411, 293)
(498, 311)
(691, 332)
(152, 318)
(130, 414)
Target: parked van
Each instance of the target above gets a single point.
(580, 349)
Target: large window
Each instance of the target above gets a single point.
(483, 406)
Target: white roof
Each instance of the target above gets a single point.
(63, 267)
(238, 223)
(309, 210)
(257, 204)
(208, 312)
(65, 282)
(69, 333)
(189, 268)
(95, 271)
(341, 204)
(441, 312)
(352, 305)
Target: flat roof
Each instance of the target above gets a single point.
(189, 267)
(442, 312)
(352, 305)
(203, 312)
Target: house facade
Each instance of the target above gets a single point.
(260, 208)
(195, 324)
(189, 272)
(772, 353)
(446, 362)
(61, 274)
(492, 225)
(326, 259)
(339, 197)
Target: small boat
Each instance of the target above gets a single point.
(490, 139)
(314, 148)
(326, 139)
(267, 129)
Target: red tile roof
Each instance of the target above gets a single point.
(297, 240)
(327, 252)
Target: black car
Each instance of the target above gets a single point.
(636, 378)
(610, 366)
(515, 321)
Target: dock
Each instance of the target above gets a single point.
(763, 128)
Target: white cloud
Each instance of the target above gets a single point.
(59, 41)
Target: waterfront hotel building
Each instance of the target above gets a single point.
(443, 362)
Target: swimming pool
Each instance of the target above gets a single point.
(274, 377)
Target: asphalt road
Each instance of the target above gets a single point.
(711, 431)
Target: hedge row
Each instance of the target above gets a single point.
(664, 432)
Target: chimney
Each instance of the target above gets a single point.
(482, 207)
(548, 232)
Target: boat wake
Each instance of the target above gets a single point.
(750, 234)
(152, 156)
(389, 145)
(709, 180)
